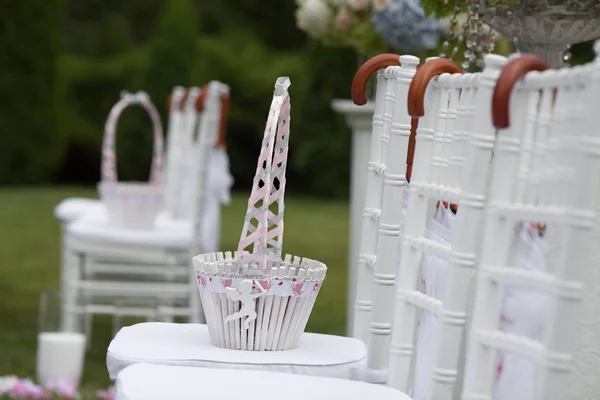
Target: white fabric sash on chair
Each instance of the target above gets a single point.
(218, 192)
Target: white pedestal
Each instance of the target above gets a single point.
(360, 119)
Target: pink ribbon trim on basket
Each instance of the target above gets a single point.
(109, 159)
(273, 287)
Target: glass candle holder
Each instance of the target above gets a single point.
(61, 345)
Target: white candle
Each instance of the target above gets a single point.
(60, 355)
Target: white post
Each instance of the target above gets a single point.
(360, 119)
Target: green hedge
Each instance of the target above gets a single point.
(31, 100)
(111, 47)
(237, 53)
(56, 95)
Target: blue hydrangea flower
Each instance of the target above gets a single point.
(404, 27)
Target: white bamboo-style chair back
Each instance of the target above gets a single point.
(546, 168)
(374, 188)
(187, 112)
(454, 147)
(173, 151)
(207, 136)
(395, 144)
(390, 97)
(182, 151)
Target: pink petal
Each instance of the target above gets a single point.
(108, 394)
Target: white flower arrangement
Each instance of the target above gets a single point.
(342, 23)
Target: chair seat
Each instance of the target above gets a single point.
(167, 232)
(72, 208)
(189, 345)
(159, 382)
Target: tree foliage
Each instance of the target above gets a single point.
(246, 45)
(31, 100)
(169, 62)
(64, 65)
(63, 69)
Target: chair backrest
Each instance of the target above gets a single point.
(454, 146)
(210, 134)
(396, 137)
(374, 189)
(187, 140)
(219, 179)
(391, 92)
(546, 168)
(186, 112)
(176, 105)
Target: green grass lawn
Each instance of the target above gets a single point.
(29, 264)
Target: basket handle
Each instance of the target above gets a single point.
(109, 158)
(263, 229)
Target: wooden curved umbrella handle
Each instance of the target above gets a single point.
(410, 156)
(429, 70)
(364, 73)
(181, 105)
(514, 70)
(201, 97)
(184, 99)
(225, 107)
(416, 95)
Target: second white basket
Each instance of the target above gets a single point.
(131, 205)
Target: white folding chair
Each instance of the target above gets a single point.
(546, 168)
(103, 261)
(72, 208)
(183, 117)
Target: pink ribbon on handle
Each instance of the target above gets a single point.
(263, 229)
(109, 158)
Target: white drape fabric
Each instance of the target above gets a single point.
(218, 192)
(434, 271)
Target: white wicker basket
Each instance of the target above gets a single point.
(131, 205)
(268, 312)
(255, 300)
